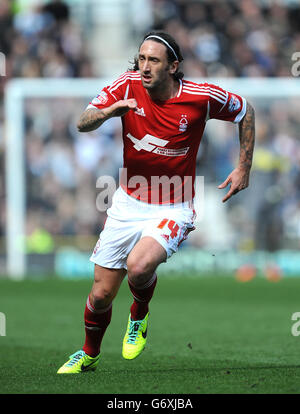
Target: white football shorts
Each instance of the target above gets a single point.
(128, 220)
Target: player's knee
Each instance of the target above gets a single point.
(136, 268)
(138, 272)
(101, 298)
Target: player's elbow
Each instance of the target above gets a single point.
(81, 124)
(90, 120)
(84, 123)
(81, 127)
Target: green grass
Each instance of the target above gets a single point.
(206, 335)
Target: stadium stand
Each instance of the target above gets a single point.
(233, 39)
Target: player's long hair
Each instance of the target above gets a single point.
(171, 57)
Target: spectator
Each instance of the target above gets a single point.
(224, 39)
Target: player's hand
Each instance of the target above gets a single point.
(121, 108)
(238, 180)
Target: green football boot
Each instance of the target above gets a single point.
(135, 338)
(79, 362)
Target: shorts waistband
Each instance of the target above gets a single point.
(185, 204)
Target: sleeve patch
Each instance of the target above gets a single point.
(234, 104)
(101, 99)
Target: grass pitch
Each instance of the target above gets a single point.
(206, 335)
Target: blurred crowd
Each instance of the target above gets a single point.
(218, 39)
(63, 167)
(265, 216)
(232, 38)
(42, 41)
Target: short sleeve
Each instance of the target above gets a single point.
(117, 91)
(225, 105)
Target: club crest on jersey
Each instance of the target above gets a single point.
(183, 123)
(234, 104)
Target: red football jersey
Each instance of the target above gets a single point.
(161, 138)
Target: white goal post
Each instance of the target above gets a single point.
(18, 90)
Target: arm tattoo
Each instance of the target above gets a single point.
(90, 119)
(247, 137)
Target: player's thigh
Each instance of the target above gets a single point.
(171, 229)
(106, 284)
(144, 258)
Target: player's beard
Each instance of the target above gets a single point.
(159, 83)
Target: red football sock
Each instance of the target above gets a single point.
(141, 298)
(96, 321)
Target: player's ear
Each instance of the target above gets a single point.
(173, 67)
